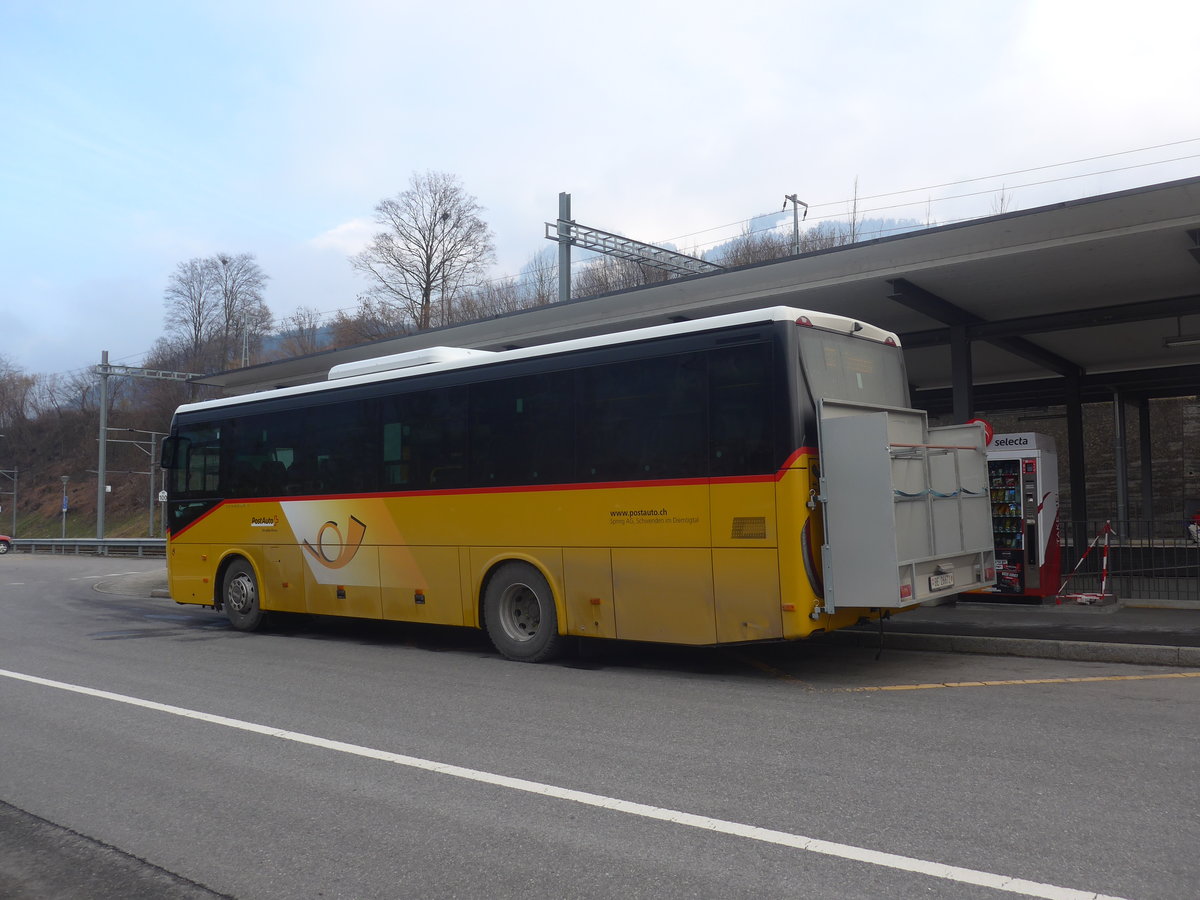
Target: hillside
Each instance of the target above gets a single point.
(45, 449)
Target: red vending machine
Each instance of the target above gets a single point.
(1023, 484)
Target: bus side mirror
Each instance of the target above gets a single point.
(171, 451)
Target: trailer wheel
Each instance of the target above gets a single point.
(519, 614)
(239, 597)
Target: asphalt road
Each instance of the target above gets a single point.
(146, 750)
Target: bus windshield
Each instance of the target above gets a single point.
(841, 367)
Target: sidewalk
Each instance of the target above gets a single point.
(1121, 632)
(136, 584)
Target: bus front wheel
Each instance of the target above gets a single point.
(239, 597)
(519, 614)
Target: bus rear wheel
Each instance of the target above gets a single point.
(240, 598)
(519, 614)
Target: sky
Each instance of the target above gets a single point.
(138, 135)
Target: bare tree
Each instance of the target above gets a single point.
(191, 303)
(243, 315)
(373, 320)
(433, 245)
(606, 274)
(855, 221)
(539, 278)
(16, 395)
(492, 298)
(214, 305)
(827, 235)
(301, 332)
(162, 396)
(761, 246)
(1002, 202)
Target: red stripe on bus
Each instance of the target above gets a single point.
(789, 463)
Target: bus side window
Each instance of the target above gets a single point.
(344, 440)
(643, 418)
(674, 446)
(605, 396)
(396, 451)
(521, 430)
(740, 396)
(203, 467)
(425, 440)
(261, 449)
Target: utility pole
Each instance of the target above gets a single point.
(564, 247)
(104, 371)
(11, 475)
(566, 232)
(102, 460)
(148, 448)
(796, 204)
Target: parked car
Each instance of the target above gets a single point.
(5, 544)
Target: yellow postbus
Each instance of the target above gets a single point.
(661, 484)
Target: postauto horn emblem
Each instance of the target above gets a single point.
(332, 550)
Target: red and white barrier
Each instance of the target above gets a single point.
(1091, 598)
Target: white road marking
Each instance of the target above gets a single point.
(721, 826)
(109, 575)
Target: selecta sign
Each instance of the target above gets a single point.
(1028, 440)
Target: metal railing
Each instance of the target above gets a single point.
(145, 547)
(1147, 559)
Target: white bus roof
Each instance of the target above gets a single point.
(443, 359)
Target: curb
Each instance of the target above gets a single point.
(1079, 651)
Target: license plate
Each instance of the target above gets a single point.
(941, 582)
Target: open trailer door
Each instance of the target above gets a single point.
(907, 517)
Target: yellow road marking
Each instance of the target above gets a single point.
(780, 674)
(962, 684)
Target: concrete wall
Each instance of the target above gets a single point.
(1174, 455)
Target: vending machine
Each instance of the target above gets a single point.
(1023, 485)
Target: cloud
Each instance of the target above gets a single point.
(277, 126)
(348, 238)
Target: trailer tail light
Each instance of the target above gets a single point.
(805, 321)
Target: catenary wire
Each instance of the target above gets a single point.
(325, 316)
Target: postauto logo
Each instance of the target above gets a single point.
(333, 550)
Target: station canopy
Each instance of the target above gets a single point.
(1102, 291)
